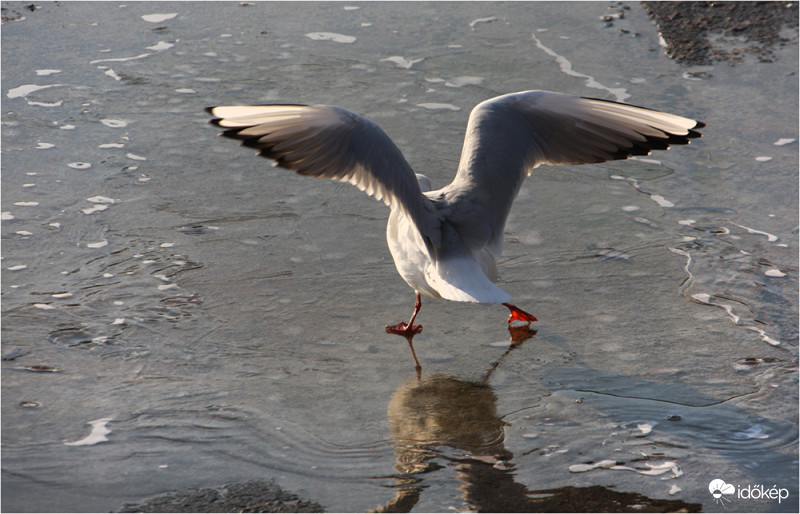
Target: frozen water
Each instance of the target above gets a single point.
(228, 315)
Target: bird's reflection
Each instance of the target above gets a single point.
(518, 333)
(443, 422)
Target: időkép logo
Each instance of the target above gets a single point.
(725, 492)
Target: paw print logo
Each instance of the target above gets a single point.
(719, 489)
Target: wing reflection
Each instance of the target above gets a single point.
(441, 422)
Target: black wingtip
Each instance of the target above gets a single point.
(210, 110)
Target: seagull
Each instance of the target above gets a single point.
(445, 242)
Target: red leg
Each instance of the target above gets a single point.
(518, 314)
(407, 329)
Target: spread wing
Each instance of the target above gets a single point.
(509, 135)
(330, 142)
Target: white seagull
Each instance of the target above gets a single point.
(445, 242)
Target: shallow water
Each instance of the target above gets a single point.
(192, 317)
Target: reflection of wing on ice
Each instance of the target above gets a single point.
(437, 412)
(442, 422)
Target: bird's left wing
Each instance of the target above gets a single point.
(330, 142)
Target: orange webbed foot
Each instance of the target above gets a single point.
(518, 314)
(404, 329)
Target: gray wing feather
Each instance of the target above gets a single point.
(331, 142)
(509, 135)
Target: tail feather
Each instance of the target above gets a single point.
(461, 279)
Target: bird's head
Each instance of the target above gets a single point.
(424, 183)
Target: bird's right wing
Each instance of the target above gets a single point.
(330, 142)
(509, 135)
